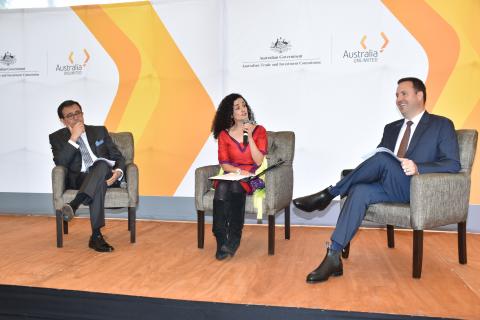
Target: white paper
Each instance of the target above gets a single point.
(232, 176)
(111, 163)
(381, 149)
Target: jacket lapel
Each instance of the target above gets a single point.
(394, 135)
(66, 134)
(421, 127)
(76, 165)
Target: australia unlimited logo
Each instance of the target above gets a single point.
(74, 68)
(366, 54)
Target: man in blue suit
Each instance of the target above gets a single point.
(423, 143)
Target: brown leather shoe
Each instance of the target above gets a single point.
(99, 244)
(330, 266)
(316, 201)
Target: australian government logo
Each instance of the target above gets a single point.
(366, 54)
(280, 45)
(8, 59)
(73, 67)
(282, 54)
(10, 69)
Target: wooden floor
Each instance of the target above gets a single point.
(165, 262)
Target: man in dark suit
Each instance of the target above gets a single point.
(85, 151)
(423, 143)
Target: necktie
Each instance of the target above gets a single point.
(402, 150)
(87, 159)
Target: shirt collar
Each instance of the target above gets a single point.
(415, 119)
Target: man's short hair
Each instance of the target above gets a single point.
(418, 85)
(64, 104)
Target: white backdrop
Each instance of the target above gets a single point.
(41, 41)
(337, 107)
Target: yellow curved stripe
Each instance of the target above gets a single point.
(121, 50)
(169, 111)
(460, 100)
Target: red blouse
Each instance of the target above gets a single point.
(232, 152)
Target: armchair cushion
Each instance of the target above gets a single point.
(397, 214)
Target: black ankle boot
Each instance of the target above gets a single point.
(221, 254)
(236, 222)
(219, 227)
(330, 266)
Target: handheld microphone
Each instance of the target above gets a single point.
(245, 133)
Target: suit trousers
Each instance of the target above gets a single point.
(93, 184)
(378, 179)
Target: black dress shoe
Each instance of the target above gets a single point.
(330, 266)
(68, 211)
(99, 244)
(316, 201)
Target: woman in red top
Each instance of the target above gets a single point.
(233, 120)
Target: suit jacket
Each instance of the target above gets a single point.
(65, 154)
(434, 144)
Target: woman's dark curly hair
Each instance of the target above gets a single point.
(224, 116)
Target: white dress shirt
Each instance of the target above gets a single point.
(415, 121)
(83, 136)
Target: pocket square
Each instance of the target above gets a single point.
(98, 143)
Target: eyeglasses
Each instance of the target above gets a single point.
(75, 114)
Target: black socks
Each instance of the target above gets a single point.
(80, 198)
(96, 233)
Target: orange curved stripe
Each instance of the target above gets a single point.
(437, 38)
(121, 50)
(169, 111)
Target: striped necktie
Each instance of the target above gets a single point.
(87, 159)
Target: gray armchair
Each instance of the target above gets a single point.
(436, 199)
(125, 196)
(279, 187)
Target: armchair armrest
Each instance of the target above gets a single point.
(58, 186)
(279, 188)
(438, 199)
(132, 184)
(202, 184)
